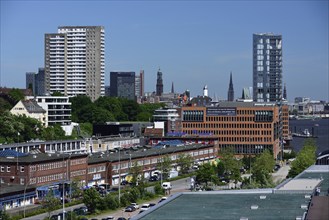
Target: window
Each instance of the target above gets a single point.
(8, 169)
(22, 169)
(2, 169)
(22, 181)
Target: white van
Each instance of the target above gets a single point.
(166, 185)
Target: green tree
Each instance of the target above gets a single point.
(231, 164)
(94, 114)
(164, 165)
(158, 189)
(76, 191)
(136, 171)
(57, 93)
(11, 128)
(184, 161)
(305, 158)
(91, 198)
(4, 215)
(144, 116)
(262, 168)
(151, 107)
(207, 173)
(50, 203)
(31, 128)
(4, 105)
(77, 103)
(86, 129)
(111, 201)
(53, 133)
(130, 108)
(16, 94)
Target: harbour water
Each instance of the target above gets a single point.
(318, 127)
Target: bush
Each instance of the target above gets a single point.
(111, 202)
(158, 189)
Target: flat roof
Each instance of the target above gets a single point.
(217, 205)
(301, 184)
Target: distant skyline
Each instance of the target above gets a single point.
(194, 43)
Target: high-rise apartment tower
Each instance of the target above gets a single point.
(267, 67)
(75, 61)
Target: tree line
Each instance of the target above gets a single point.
(84, 111)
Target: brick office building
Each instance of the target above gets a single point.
(250, 128)
(41, 171)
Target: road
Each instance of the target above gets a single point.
(281, 174)
(181, 185)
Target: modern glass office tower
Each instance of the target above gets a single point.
(75, 61)
(267, 67)
(122, 84)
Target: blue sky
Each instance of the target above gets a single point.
(195, 43)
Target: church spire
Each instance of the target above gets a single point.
(172, 88)
(230, 93)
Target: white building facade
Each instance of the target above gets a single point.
(75, 61)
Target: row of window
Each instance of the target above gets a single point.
(48, 178)
(96, 169)
(159, 159)
(77, 173)
(233, 125)
(50, 166)
(247, 149)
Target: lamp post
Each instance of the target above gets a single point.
(63, 189)
(26, 184)
(119, 178)
(250, 160)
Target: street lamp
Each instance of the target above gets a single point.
(63, 188)
(119, 178)
(28, 182)
(250, 160)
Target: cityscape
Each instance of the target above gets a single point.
(94, 130)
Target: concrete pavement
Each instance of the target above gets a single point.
(281, 174)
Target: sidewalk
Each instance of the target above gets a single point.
(281, 174)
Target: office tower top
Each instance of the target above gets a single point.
(122, 84)
(230, 93)
(139, 84)
(267, 67)
(36, 82)
(159, 85)
(75, 61)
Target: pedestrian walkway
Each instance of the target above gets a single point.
(281, 174)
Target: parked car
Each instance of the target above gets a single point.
(121, 218)
(108, 218)
(153, 178)
(276, 167)
(152, 204)
(145, 207)
(135, 205)
(130, 208)
(163, 199)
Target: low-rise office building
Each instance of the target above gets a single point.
(63, 146)
(45, 171)
(250, 128)
(42, 171)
